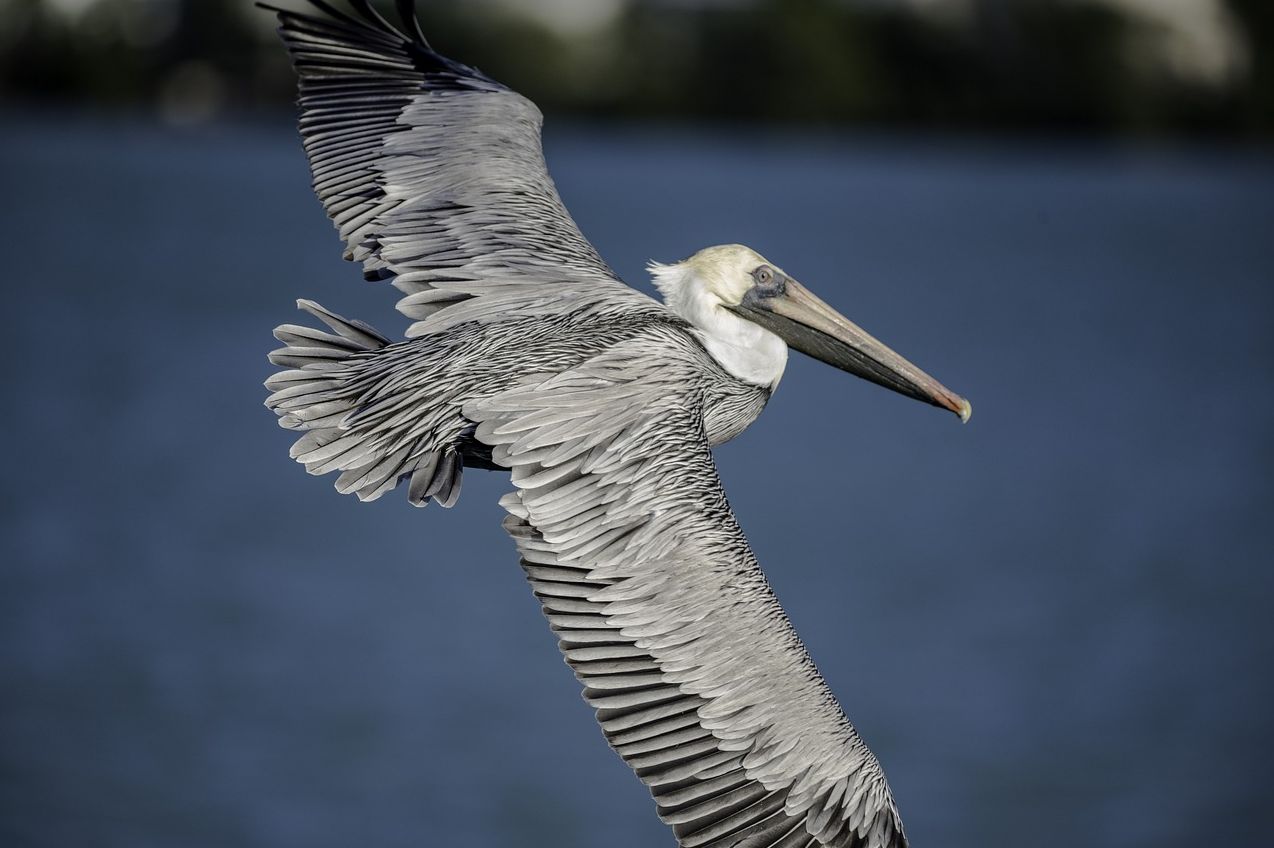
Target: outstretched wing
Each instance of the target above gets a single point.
(434, 175)
(698, 679)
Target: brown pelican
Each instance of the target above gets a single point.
(529, 354)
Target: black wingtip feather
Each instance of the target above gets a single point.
(372, 25)
(370, 21)
(369, 12)
(285, 14)
(407, 11)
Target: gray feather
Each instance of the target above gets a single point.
(733, 699)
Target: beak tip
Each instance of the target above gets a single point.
(965, 412)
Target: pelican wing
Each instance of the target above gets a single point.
(435, 177)
(699, 681)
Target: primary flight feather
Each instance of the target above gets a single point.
(527, 353)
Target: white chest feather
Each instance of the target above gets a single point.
(751, 353)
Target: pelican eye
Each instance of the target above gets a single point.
(768, 281)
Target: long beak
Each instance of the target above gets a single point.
(814, 328)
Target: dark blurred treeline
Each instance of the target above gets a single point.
(1069, 66)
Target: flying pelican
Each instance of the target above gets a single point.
(527, 353)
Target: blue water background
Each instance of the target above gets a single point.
(1051, 625)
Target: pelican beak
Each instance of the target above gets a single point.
(809, 325)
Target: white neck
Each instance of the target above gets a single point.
(746, 350)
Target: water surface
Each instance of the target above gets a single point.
(1051, 625)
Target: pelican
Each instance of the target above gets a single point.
(528, 354)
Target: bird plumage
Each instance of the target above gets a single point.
(698, 287)
(528, 354)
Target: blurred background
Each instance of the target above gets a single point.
(1146, 68)
(1051, 625)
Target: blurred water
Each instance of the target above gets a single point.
(1051, 625)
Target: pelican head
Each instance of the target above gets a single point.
(749, 312)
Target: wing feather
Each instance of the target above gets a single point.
(434, 175)
(698, 680)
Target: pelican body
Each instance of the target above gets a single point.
(527, 354)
